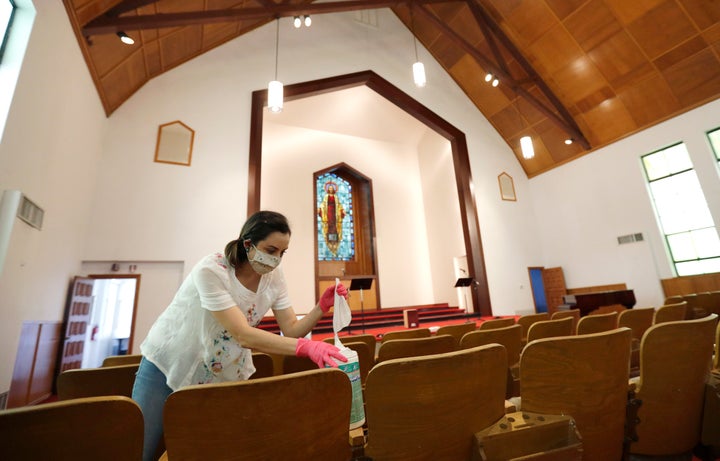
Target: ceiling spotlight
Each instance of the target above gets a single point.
(488, 77)
(568, 141)
(297, 22)
(308, 21)
(125, 38)
(495, 82)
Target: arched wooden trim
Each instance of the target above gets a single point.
(461, 161)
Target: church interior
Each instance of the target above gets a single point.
(552, 164)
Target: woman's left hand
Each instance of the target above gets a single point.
(327, 300)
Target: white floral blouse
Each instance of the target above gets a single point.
(186, 342)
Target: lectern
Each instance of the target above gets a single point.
(464, 282)
(361, 284)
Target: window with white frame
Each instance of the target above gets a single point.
(682, 211)
(714, 137)
(7, 8)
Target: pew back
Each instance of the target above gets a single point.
(300, 416)
(84, 429)
(429, 407)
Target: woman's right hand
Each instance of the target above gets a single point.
(327, 300)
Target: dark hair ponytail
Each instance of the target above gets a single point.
(256, 228)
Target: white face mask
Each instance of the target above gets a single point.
(261, 262)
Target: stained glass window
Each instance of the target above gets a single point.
(336, 238)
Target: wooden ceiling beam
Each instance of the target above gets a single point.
(484, 20)
(504, 77)
(128, 5)
(111, 25)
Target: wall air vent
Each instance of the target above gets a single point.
(630, 238)
(29, 212)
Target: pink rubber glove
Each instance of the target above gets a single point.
(320, 352)
(327, 300)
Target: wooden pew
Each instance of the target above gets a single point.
(106, 428)
(429, 407)
(295, 417)
(585, 377)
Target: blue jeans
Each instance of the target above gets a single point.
(150, 392)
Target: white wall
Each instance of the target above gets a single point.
(49, 151)
(583, 206)
(159, 280)
(445, 239)
(151, 211)
(289, 162)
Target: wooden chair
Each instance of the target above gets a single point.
(670, 313)
(264, 365)
(85, 429)
(572, 313)
(399, 348)
(511, 338)
(406, 334)
(705, 304)
(456, 331)
(366, 338)
(714, 302)
(693, 309)
(586, 378)
(550, 329)
(526, 320)
(638, 320)
(293, 364)
(673, 299)
(428, 408)
(597, 323)
(94, 382)
(300, 416)
(675, 359)
(496, 323)
(115, 360)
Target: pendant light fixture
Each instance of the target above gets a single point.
(418, 68)
(275, 87)
(526, 143)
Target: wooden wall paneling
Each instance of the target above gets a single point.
(690, 284)
(41, 385)
(24, 361)
(34, 370)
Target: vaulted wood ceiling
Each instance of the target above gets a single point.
(591, 70)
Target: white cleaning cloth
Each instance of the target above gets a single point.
(341, 315)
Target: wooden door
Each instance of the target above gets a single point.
(555, 289)
(77, 317)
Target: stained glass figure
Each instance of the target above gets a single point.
(336, 239)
